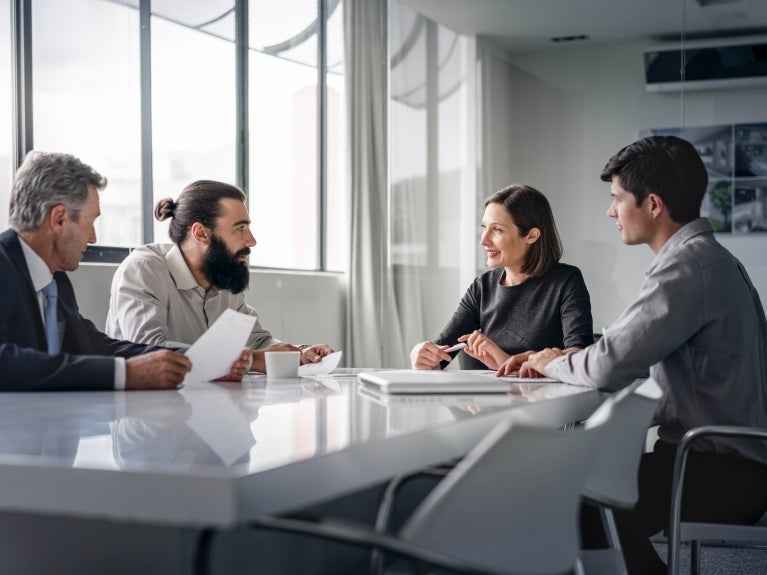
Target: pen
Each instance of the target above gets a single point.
(456, 347)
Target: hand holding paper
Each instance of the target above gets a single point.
(215, 351)
(325, 366)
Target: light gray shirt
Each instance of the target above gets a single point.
(156, 300)
(698, 326)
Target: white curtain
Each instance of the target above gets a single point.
(373, 336)
(412, 178)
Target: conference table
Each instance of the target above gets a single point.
(121, 482)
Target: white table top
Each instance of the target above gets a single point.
(218, 454)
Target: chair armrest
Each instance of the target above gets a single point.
(680, 464)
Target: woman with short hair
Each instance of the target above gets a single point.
(527, 301)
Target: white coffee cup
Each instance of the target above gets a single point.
(282, 364)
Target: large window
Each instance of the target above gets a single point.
(6, 107)
(336, 236)
(86, 100)
(285, 135)
(193, 99)
(155, 107)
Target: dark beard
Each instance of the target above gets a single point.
(222, 269)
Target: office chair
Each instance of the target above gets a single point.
(622, 420)
(697, 533)
(612, 480)
(497, 511)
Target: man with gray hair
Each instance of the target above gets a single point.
(45, 344)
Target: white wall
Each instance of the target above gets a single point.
(569, 112)
(298, 307)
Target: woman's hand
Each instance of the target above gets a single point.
(428, 355)
(484, 349)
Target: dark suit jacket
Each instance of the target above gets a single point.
(85, 362)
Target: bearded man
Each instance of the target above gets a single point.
(169, 294)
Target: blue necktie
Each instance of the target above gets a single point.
(51, 317)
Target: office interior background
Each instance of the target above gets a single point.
(367, 134)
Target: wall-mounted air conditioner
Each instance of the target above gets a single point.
(730, 63)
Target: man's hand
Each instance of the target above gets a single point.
(428, 355)
(511, 366)
(314, 353)
(484, 349)
(240, 366)
(535, 366)
(164, 369)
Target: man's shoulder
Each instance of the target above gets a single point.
(702, 251)
(148, 254)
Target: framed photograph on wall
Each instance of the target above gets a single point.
(735, 157)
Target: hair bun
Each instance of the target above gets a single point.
(164, 209)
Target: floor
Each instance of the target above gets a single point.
(719, 560)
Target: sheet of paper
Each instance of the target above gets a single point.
(323, 367)
(515, 379)
(215, 351)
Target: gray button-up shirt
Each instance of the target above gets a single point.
(156, 300)
(698, 326)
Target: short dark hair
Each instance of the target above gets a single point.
(664, 165)
(530, 209)
(45, 180)
(198, 202)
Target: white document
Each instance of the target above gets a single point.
(323, 367)
(215, 351)
(516, 379)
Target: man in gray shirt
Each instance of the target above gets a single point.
(169, 294)
(698, 326)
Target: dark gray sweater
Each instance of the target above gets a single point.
(552, 310)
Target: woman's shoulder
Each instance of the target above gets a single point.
(562, 270)
(488, 278)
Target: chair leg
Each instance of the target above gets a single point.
(382, 520)
(201, 552)
(694, 557)
(611, 530)
(383, 516)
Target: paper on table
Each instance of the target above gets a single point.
(215, 351)
(515, 379)
(325, 366)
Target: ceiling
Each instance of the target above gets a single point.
(529, 25)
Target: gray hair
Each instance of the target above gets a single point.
(45, 180)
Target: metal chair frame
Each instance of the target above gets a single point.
(696, 533)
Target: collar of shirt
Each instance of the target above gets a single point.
(182, 275)
(686, 232)
(38, 270)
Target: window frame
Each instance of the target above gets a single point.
(23, 111)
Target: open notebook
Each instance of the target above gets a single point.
(421, 381)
